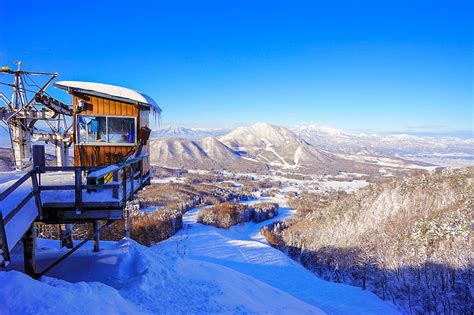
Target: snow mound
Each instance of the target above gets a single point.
(128, 278)
(21, 294)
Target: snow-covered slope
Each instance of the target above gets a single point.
(207, 153)
(131, 279)
(437, 150)
(260, 135)
(189, 133)
(281, 148)
(201, 270)
(242, 248)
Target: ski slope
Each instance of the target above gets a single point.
(200, 270)
(243, 249)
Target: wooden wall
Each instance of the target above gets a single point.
(92, 155)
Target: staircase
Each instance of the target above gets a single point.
(15, 221)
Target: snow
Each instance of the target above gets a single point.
(200, 270)
(297, 156)
(141, 280)
(190, 133)
(242, 248)
(112, 90)
(344, 185)
(269, 147)
(171, 179)
(22, 295)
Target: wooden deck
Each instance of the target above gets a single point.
(73, 198)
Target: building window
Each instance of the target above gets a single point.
(121, 130)
(106, 129)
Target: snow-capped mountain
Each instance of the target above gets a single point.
(281, 148)
(189, 133)
(260, 147)
(260, 135)
(206, 153)
(436, 150)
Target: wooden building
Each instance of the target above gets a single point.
(111, 129)
(107, 122)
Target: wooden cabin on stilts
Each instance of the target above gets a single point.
(110, 129)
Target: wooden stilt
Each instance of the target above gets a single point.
(96, 236)
(29, 250)
(127, 221)
(66, 236)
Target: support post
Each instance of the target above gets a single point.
(115, 191)
(39, 161)
(39, 157)
(124, 187)
(140, 166)
(66, 237)
(29, 249)
(132, 179)
(96, 236)
(62, 153)
(127, 221)
(78, 184)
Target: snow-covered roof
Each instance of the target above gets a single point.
(109, 91)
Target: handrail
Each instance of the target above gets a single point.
(13, 187)
(15, 210)
(128, 170)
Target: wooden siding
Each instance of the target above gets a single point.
(93, 155)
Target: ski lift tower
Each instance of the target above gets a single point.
(28, 105)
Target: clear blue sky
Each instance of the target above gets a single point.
(357, 65)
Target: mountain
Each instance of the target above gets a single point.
(206, 153)
(263, 147)
(280, 147)
(443, 151)
(260, 135)
(188, 133)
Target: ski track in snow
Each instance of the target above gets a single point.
(297, 156)
(243, 248)
(269, 147)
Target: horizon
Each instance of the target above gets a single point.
(467, 134)
(391, 67)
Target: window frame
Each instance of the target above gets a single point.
(107, 143)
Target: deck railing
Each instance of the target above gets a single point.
(127, 178)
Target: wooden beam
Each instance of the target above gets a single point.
(15, 210)
(96, 236)
(29, 251)
(69, 216)
(4, 244)
(37, 193)
(15, 185)
(78, 188)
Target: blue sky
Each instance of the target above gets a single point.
(378, 66)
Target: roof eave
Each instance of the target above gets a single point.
(107, 96)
